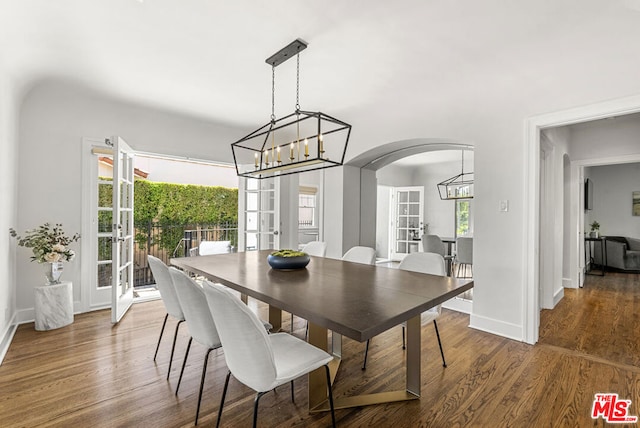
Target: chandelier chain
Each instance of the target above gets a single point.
(298, 81)
(273, 93)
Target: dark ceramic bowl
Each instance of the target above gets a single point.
(288, 263)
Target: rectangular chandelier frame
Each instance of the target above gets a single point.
(302, 141)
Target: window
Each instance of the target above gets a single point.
(307, 206)
(464, 225)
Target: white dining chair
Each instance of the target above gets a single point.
(364, 255)
(214, 247)
(431, 263)
(315, 248)
(164, 284)
(433, 244)
(258, 360)
(199, 321)
(464, 255)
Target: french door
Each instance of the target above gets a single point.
(107, 211)
(122, 230)
(259, 209)
(407, 220)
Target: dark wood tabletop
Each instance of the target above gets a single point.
(356, 300)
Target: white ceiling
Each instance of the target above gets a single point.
(367, 60)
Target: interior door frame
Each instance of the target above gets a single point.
(533, 127)
(91, 297)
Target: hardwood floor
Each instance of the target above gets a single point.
(94, 374)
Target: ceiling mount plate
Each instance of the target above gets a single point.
(289, 51)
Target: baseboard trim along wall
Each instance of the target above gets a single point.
(459, 305)
(7, 337)
(557, 296)
(500, 328)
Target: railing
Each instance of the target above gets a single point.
(152, 238)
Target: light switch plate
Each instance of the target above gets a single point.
(504, 205)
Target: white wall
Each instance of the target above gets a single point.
(602, 139)
(438, 213)
(8, 207)
(553, 225)
(54, 119)
(183, 171)
(612, 187)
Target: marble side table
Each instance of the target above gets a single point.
(54, 306)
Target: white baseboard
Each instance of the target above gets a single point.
(566, 283)
(557, 296)
(7, 337)
(459, 305)
(500, 328)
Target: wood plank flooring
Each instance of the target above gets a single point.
(93, 374)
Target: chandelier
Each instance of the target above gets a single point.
(301, 141)
(457, 187)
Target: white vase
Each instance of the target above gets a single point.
(53, 272)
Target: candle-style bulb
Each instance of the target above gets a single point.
(279, 155)
(306, 148)
(291, 152)
(256, 159)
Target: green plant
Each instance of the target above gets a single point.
(595, 226)
(48, 244)
(288, 253)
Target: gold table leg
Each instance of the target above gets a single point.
(275, 318)
(318, 398)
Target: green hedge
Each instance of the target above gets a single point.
(167, 204)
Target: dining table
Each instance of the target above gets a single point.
(349, 299)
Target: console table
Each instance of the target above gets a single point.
(589, 260)
(53, 306)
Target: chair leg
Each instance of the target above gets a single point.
(184, 363)
(404, 345)
(224, 394)
(204, 373)
(160, 338)
(255, 408)
(329, 387)
(306, 331)
(291, 327)
(292, 397)
(435, 324)
(366, 352)
(173, 347)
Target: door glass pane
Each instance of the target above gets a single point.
(414, 209)
(401, 248)
(414, 196)
(267, 201)
(105, 220)
(252, 221)
(104, 249)
(267, 222)
(104, 275)
(252, 184)
(252, 241)
(403, 197)
(252, 201)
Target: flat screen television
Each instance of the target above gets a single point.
(588, 194)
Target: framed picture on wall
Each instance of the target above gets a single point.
(635, 203)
